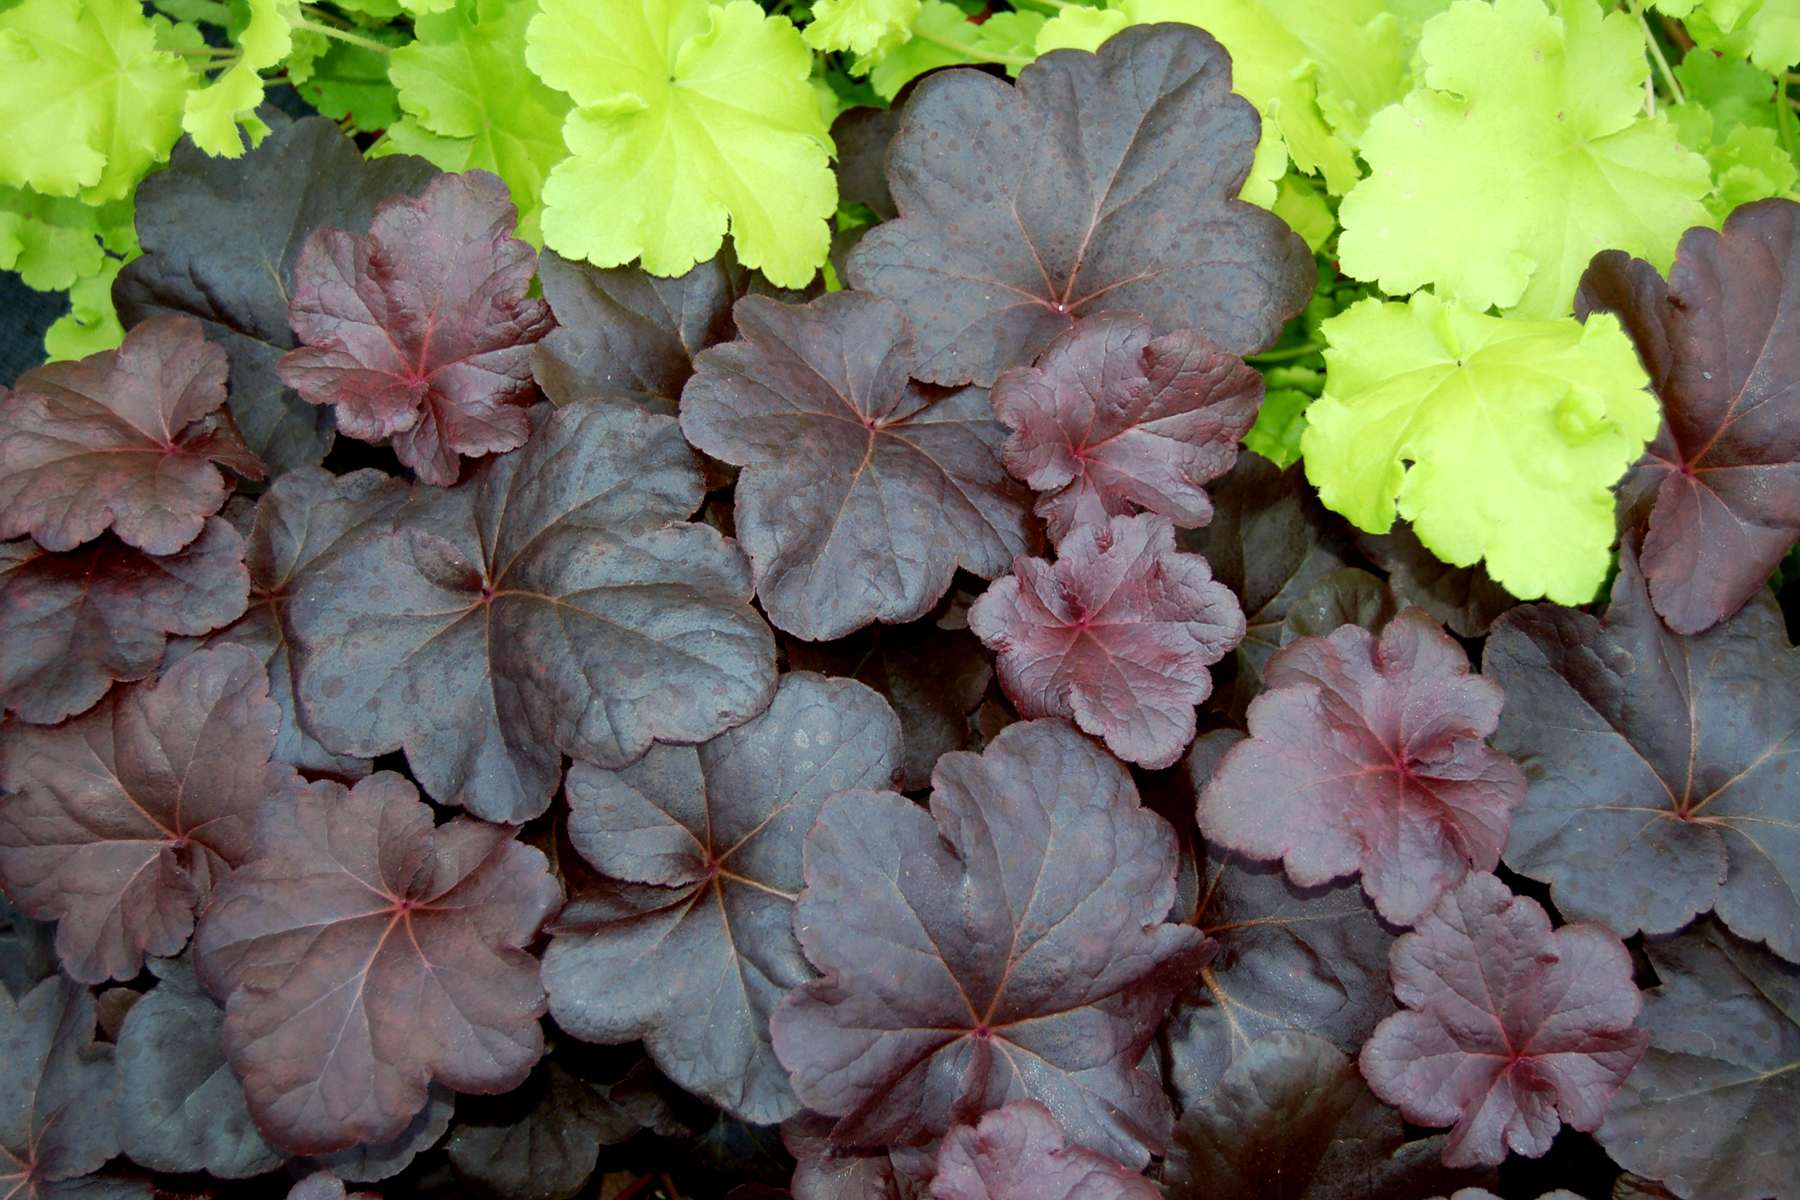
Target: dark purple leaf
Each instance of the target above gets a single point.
(862, 136)
(862, 492)
(931, 676)
(553, 602)
(57, 1118)
(1367, 755)
(118, 822)
(180, 1107)
(922, 1021)
(540, 1142)
(323, 1185)
(1658, 764)
(824, 1171)
(1311, 959)
(366, 954)
(621, 332)
(718, 827)
(1110, 422)
(367, 1162)
(129, 440)
(1018, 1153)
(1292, 1120)
(1116, 634)
(27, 950)
(221, 237)
(1508, 1024)
(1709, 1111)
(1102, 181)
(1722, 344)
(1465, 599)
(1351, 596)
(421, 331)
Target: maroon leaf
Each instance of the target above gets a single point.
(1367, 755)
(718, 828)
(1116, 634)
(123, 440)
(1351, 596)
(1292, 1120)
(119, 821)
(1722, 344)
(1018, 1153)
(1112, 423)
(1509, 1023)
(366, 954)
(422, 330)
(1465, 599)
(922, 1021)
(824, 1171)
(57, 1097)
(1102, 181)
(73, 623)
(862, 492)
(540, 1142)
(553, 602)
(1709, 1110)
(1658, 764)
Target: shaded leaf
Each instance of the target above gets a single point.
(118, 822)
(367, 1162)
(554, 601)
(1018, 1153)
(323, 1185)
(862, 492)
(27, 950)
(1511, 1028)
(1367, 755)
(541, 1142)
(1292, 1120)
(1116, 634)
(421, 330)
(862, 136)
(1110, 422)
(1351, 596)
(825, 1171)
(1658, 764)
(1722, 344)
(1465, 599)
(125, 440)
(1707, 1110)
(1039, 844)
(366, 954)
(1101, 181)
(180, 1107)
(718, 827)
(221, 237)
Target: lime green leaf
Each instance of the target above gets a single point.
(1750, 165)
(91, 324)
(212, 12)
(943, 36)
(1280, 424)
(692, 115)
(213, 114)
(1768, 31)
(869, 29)
(351, 83)
(52, 241)
(1522, 157)
(89, 102)
(1299, 204)
(1515, 430)
(471, 102)
(1080, 29)
(1730, 89)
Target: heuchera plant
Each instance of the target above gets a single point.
(997, 730)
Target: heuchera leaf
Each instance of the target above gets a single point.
(862, 492)
(555, 601)
(220, 239)
(718, 827)
(1292, 1120)
(421, 331)
(1658, 763)
(1116, 634)
(826, 1171)
(1509, 1023)
(1110, 422)
(1351, 596)
(365, 954)
(1721, 341)
(123, 440)
(1465, 599)
(180, 1107)
(73, 623)
(366, 1162)
(1018, 1153)
(1087, 187)
(118, 822)
(540, 1142)
(921, 1022)
(623, 332)
(1708, 1109)
(1367, 755)
(57, 1098)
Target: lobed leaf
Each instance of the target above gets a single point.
(1018, 1153)
(542, 1141)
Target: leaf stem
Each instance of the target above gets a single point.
(1662, 63)
(1288, 355)
(343, 36)
(206, 52)
(1005, 60)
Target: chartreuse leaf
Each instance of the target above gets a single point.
(471, 102)
(1514, 432)
(349, 83)
(52, 241)
(212, 114)
(870, 29)
(90, 102)
(943, 36)
(1768, 31)
(92, 323)
(1521, 155)
(692, 116)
